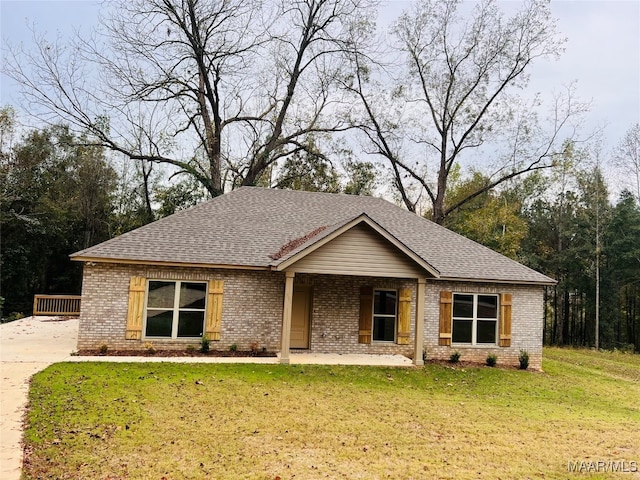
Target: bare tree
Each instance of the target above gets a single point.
(220, 89)
(457, 91)
(627, 156)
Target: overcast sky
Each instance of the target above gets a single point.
(602, 53)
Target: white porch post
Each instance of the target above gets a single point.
(419, 340)
(286, 317)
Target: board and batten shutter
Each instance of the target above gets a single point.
(135, 312)
(213, 322)
(366, 315)
(446, 317)
(505, 320)
(404, 316)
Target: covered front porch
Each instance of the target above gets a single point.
(352, 315)
(356, 289)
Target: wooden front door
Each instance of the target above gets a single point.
(301, 316)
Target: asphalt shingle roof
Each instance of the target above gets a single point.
(250, 226)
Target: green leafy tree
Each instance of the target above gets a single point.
(178, 196)
(565, 225)
(310, 172)
(622, 246)
(361, 178)
(56, 199)
(492, 219)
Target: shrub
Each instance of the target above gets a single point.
(191, 348)
(233, 347)
(492, 359)
(103, 349)
(151, 350)
(524, 359)
(13, 316)
(205, 344)
(455, 357)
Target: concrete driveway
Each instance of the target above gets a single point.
(26, 347)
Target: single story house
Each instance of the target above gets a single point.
(315, 271)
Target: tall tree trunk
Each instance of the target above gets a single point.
(147, 168)
(212, 140)
(554, 330)
(545, 340)
(565, 318)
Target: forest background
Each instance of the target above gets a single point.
(169, 103)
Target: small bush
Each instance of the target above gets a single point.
(492, 360)
(524, 359)
(13, 316)
(455, 357)
(205, 344)
(233, 347)
(625, 348)
(104, 348)
(191, 348)
(149, 347)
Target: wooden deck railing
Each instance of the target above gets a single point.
(56, 305)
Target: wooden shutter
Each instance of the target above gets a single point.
(213, 322)
(137, 290)
(446, 317)
(505, 320)
(366, 315)
(404, 316)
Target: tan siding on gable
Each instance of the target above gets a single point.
(359, 251)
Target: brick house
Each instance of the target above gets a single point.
(314, 271)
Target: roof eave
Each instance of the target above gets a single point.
(543, 283)
(129, 261)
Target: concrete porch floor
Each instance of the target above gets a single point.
(307, 358)
(303, 358)
(296, 359)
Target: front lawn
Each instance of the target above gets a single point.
(206, 421)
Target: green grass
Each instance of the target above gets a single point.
(181, 421)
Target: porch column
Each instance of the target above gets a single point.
(419, 340)
(286, 317)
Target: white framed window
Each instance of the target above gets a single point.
(175, 309)
(475, 318)
(385, 315)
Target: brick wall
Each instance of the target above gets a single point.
(252, 306)
(252, 312)
(526, 323)
(336, 312)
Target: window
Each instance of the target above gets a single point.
(175, 309)
(384, 315)
(475, 318)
